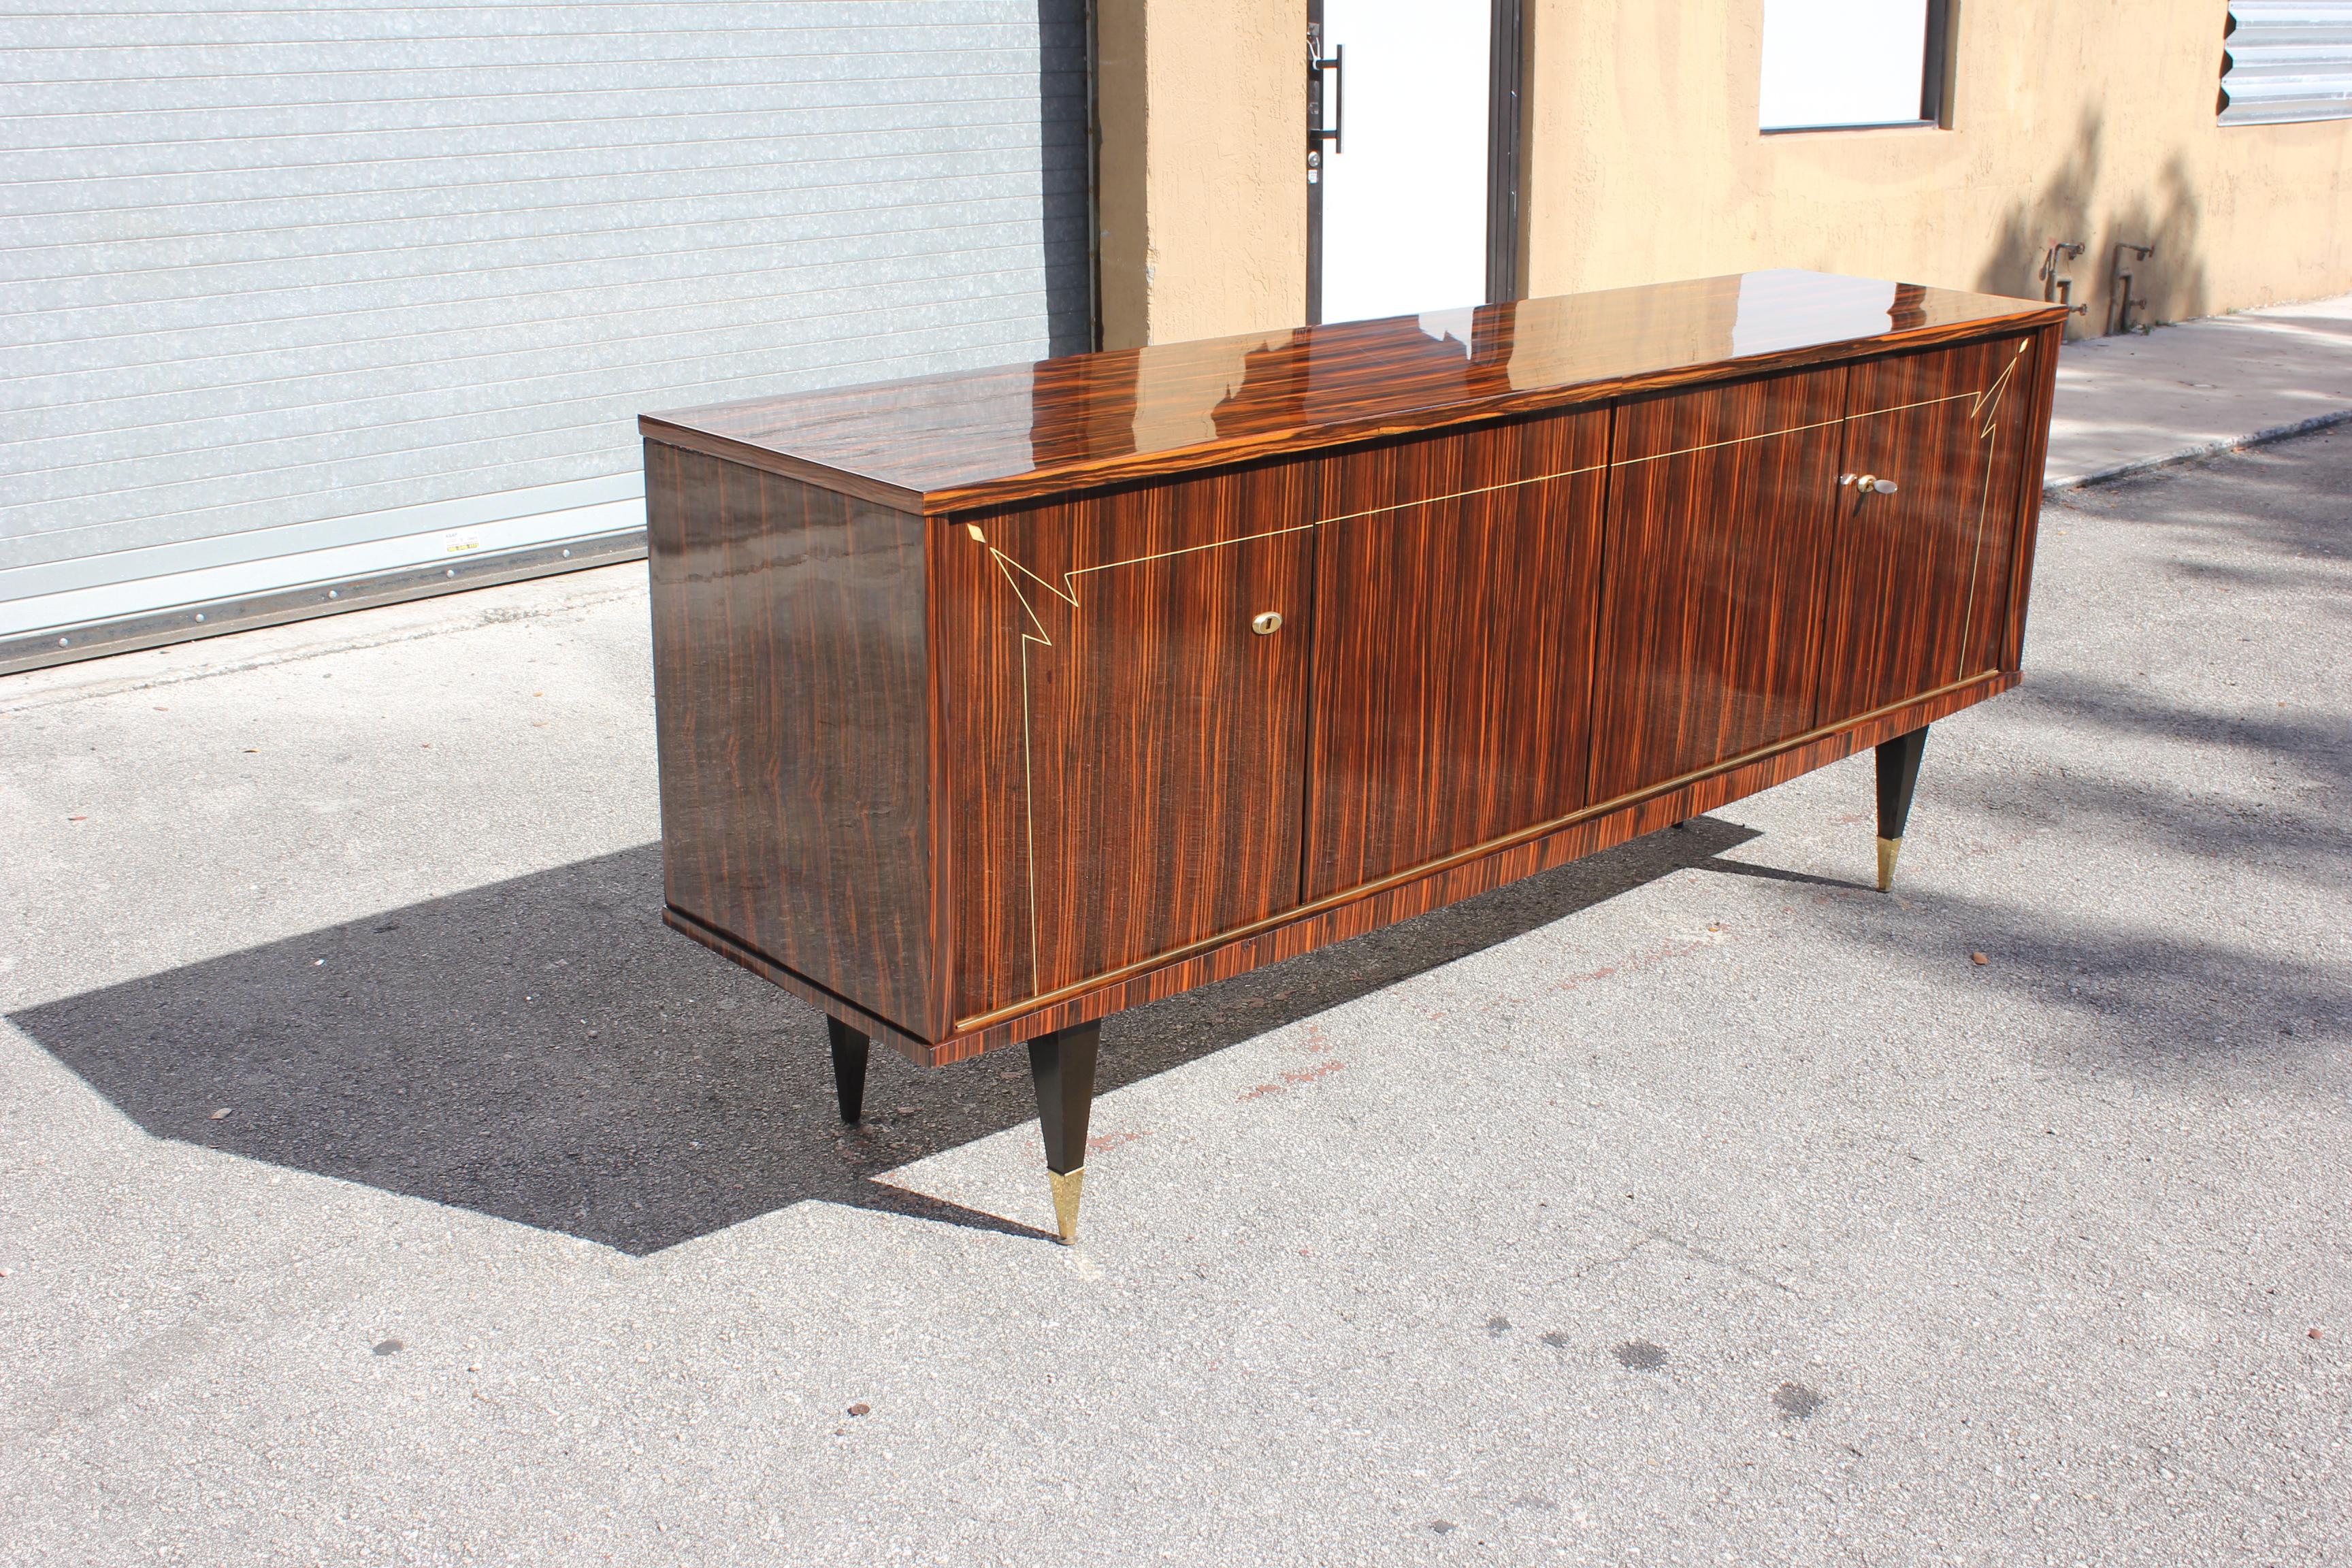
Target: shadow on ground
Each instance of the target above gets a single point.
(545, 1051)
(2274, 516)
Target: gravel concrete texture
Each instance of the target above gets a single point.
(2136, 401)
(379, 1182)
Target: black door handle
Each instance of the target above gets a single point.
(1336, 66)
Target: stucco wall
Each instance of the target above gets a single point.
(2089, 121)
(1204, 213)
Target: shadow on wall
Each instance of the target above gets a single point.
(546, 1051)
(2170, 217)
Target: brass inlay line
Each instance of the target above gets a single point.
(1732, 441)
(1028, 813)
(1976, 551)
(1067, 593)
(1987, 408)
(1480, 490)
(1572, 473)
(1652, 456)
(1987, 399)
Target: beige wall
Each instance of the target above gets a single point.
(1204, 217)
(2082, 119)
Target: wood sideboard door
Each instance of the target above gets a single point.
(1128, 749)
(1919, 581)
(1454, 585)
(1718, 534)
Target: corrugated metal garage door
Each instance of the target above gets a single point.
(2286, 60)
(301, 292)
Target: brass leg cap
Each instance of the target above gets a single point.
(1066, 1189)
(1888, 849)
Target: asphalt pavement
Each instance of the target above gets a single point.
(380, 1182)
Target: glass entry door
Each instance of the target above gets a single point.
(1412, 143)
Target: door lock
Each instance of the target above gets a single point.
(1267, 623)
(1864, 484)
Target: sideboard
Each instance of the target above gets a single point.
(992, 703)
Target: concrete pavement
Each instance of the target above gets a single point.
(2139, 401)
(379, 1182)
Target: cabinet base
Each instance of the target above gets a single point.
(1365, 910)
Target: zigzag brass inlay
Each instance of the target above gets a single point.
(1987, 402)
(1987, 408)
(1037, 634)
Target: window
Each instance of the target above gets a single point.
(2287, 60)
(1842, 63)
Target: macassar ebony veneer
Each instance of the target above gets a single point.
(992, 703)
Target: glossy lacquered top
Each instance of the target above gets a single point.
(976, 436)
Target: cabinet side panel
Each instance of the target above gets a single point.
(790, 693)
(2044, 389)
(1453, 642)
(1718, 533)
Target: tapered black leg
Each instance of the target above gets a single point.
(1898, 775)
(1063, 1063)
(849, 1049)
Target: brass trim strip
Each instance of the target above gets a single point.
(1028, 798)
(1599, 467)
(1987, 408)
(1067, 593)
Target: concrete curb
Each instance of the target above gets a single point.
(2138, 466)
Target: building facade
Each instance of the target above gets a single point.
(1642, 156)
(311, 307)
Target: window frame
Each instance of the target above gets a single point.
(1935, 94)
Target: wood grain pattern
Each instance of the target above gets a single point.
(948, 443)
(1128, 753)
(2044, 363)
(792, 701)
(1913, 573)
(1453, 641)
(1601, 828)
(1719, 512)
(962, 776)
(1482, 870)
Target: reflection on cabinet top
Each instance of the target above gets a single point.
(972, 438)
